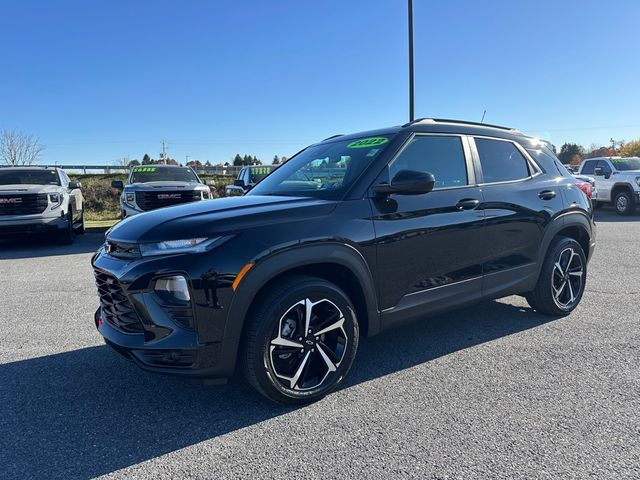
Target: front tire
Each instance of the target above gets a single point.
(65, 237)
(624, 203)
(80, 229)
(562, 279)
(301, 340)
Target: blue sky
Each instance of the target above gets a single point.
(98, 81)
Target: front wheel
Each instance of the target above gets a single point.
(624, 203)
(65, 236)
(301, 340)
(80, 228)
(562, 279)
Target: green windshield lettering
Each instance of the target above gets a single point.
(144, 169)
(368, 142)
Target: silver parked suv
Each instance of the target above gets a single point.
(40, 200)
(155, 186)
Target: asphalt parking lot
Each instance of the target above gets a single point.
(493, 391)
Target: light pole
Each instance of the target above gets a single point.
(410, 15)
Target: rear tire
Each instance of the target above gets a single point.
(301, 339)
(562, 279)
(624, 203)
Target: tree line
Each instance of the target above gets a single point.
(573, 153)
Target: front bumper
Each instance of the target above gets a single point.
(159, 343)
(31, 224)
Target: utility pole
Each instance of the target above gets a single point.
(411, 102)
(613, 145)
(163, 155)
(186, 158)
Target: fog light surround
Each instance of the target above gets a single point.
(173, 290)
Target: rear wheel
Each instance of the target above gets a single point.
(624, 203)
(301, 340)
(562, 279)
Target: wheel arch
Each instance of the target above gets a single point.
(338, 263)
(619, 187)
(576, 225)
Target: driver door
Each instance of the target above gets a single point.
(429, 246)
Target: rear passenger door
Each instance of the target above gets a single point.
(519, 200)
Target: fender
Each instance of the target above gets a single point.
(272, 265)
(621, 186)
(572, 218)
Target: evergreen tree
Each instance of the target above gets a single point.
(276, 160)
(237, 160)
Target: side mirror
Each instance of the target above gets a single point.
(407, 182)
(117, 184)
(74, 185)
(239, 183)
(598, 171)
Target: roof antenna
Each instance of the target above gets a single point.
(483, 114)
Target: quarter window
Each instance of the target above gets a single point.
(442, 156)
(501, 161)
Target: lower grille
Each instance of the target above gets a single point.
(116, 307)
(160, 198)
(23, 203)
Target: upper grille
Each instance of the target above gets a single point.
(23, 203)
(164, 198)
(116, 307)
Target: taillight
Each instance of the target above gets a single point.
(585, 187)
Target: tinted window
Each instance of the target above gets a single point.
(606, 169)
(441, 156)
(11, 176)
(626, 163)
(588, 167)
(326, 170)
(162, 174)
(501, 161)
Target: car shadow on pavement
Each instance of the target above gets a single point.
(608, 214)
(39, 246)
(89, 412)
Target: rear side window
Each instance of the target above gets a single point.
(501, 161)
(588, 167)
(443, 156)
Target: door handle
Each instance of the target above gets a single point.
(467, 204)
(547, 194)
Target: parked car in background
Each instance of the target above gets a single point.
(40, 200)
(618, 181)
(352, 236)
(248, 178)
(588, 186)
(155, 186)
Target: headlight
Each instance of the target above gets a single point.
(129, 198)
(55, 199)
(191, 245)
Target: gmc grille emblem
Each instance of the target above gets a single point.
(10, 200)
(169, 196)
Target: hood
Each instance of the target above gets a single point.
(211, 218)
(151, 186)
(23, 189)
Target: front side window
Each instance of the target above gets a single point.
(501, 161)
(442, 156)
(162, 174)
(325, 171)
(11, 176)
(606, 169)
(589, 167)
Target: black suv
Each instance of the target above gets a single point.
(352, 236)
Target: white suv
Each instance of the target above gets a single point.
(40, 200)
(618, 181)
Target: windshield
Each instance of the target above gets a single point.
(323, 171)
(258, 173)
(162, 174)
(12, 176)
(626, 163)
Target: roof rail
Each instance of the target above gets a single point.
(333, 136)
(461, 122)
